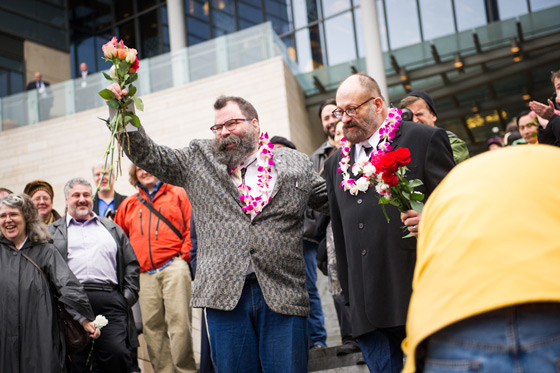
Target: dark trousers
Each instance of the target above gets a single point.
(343, 315)
(110, 350)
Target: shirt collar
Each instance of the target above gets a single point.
(71, 221)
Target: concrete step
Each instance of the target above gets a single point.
(325, 360)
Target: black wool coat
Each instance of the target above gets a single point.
(375, 264)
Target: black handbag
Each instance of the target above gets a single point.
(75, 336)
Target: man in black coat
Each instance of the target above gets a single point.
(100, 255)
(375, 263)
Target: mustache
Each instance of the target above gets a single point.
(228, 140)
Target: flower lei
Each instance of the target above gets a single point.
(388, 130)
(264, 167)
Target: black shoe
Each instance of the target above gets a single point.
(361, 361)
(347, 348)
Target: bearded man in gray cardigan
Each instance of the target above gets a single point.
(248, 210)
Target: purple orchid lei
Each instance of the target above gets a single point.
(254, 205)
(388, 130)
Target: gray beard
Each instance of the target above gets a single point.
(232, 157)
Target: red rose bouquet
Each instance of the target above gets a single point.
(391, 184)
(119, 97)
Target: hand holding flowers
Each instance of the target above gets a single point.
(120, 96)
(99, 322)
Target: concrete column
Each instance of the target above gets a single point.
(177, 27)
(372, 40)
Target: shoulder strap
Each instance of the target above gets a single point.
(159, 214)
(33, 262)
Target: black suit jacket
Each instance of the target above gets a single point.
(118, 200)
(33, 85)
(375, 264)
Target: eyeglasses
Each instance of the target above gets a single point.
(351, 111)
(229, 125)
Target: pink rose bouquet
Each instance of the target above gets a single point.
(119, 96)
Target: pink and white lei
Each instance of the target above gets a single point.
(388, 130)
(264, 167)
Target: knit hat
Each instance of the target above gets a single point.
(426, 97)
(37, 185)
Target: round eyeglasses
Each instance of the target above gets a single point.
(351, 111)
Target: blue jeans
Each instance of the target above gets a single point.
(522, 338)
(252, 338)
(382, 349)
(316, 319)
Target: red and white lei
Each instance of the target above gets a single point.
(388, 130)
(254, 205)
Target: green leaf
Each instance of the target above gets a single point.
(128, 101)
(417, 196)
(131, 78)
(109, 77)
(132, 118)
(113, 104)
(414, 183)
(107, 94)
(138, 103)
(123, 69)
(416, 206)
(131, 90)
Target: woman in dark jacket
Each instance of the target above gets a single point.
(31, 339)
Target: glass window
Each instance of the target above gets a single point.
(512, 8)
(542, 4)
(277, 13)
(127, 34)
(437, 18)
(470, 14)
(331, 7)
(198, 28)
(145, 4)
(149, 34)
(300, 14)
(4, 88)
(86, 52)
(223, 17)
(249, 13)
(123, 9)
(339, 36)
(403, 25)
(304, 59)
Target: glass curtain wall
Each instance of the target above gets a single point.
(317, 33)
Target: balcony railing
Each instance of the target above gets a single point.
(172, 69)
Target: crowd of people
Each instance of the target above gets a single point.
(267, 217)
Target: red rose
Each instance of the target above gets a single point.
(387, 163)
(390, 179)
(402, 156)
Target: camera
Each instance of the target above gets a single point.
(406, 115)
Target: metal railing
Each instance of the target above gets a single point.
(168, 70)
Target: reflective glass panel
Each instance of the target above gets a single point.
(512, 8)
(277, 13)
(249, 13)
(331, 7)
(470, 14)
(542, 4)
(198, 28)
(149, 34)
(339, 36)
(223, 17)
(403, 25)
(437, 18)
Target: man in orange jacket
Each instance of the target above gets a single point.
(157, 222)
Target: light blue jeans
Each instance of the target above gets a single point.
(516, 339)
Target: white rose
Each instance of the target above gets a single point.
(362, 184)
(100, 321)
(356, 169)
(369, 169)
